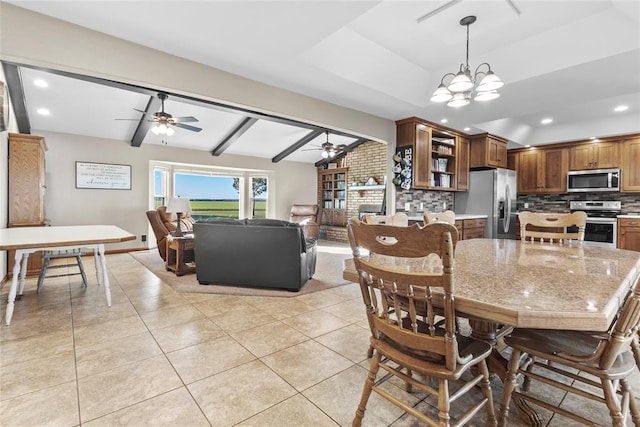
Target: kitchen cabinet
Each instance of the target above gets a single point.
(594, 155)
(462, 163)
(488, 151)
(629, 233)
(473, 228)
(630, 171)
(332, 196)
(542, 170)
(26, 190)
(434, 154)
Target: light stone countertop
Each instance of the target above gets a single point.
(533, 285)
(459, 217)
(632, 216)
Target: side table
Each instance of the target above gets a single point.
(176, 248)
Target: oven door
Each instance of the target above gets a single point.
(602, 231)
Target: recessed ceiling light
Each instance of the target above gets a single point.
(43, 111)
(467, 129)
(444, 121)
(40, 83)
(593, 137)
(546, 121)
(528, 145)
(620, 108)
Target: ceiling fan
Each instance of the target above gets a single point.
(165, 121)
(329, 150)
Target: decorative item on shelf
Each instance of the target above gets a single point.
(402, 165)
(179, 206)
(371, 181)
(458, 92)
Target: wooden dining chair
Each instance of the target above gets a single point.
(399, 219)
(447, 216)
(551, 227)
(400, 305)
(602, 360)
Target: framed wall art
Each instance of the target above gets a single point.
(103, 176)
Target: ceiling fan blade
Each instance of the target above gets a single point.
(141, 111)
(133, 120)
(187, 127)
(185, 119)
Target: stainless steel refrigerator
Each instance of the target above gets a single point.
(492, 192)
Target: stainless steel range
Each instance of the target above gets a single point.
(602, 222)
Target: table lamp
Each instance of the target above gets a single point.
(178, 205)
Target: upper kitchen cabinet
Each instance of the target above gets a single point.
(433, 152)
(594, 155)
(542, 170)
(462, 174)
(630, 169)
(488, 151)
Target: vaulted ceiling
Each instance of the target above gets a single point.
(572, 61)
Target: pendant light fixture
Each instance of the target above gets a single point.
(328, 150)
(457, 93)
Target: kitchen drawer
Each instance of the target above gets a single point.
(473, 233)
(459, 227)
(628, 222)
(473, 223)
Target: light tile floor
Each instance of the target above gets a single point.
(157, 357)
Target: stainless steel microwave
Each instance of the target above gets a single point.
(593, 180)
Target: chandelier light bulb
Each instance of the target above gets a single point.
(461, 82)
(486, 95)
(459, 100)
(441, 94)
(490, 82)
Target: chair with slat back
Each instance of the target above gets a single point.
(401, 303)
(399, 219)
(602, 360)
(447, 216)
(552, 221)
(48, 256)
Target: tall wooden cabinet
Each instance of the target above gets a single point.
(630, 170)
(26, 189)
(332, 190)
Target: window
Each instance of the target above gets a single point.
(213, 191)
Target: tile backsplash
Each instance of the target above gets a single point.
(560, 202)
(432, 201)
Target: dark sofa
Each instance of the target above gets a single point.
(262, 253)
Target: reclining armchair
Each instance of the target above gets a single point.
(163, 223)
(307, 216)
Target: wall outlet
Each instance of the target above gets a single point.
(407, 206)
(444, 205)
(143, 237)
(421, 206)
(526, 205)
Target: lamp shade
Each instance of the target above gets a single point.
(178, 205)
(490, 82)
(461, 82)
(460, 99)
(441, 94)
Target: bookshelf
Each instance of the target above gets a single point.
(333, 195)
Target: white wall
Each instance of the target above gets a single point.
(67, 205)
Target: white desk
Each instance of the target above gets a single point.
(26, 240)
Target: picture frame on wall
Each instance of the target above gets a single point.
(105, 176)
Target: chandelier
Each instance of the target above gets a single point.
(457, 93)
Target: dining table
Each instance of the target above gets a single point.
(504, 283)
(27, 240)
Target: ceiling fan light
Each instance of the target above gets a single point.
(490, 82)
(332, 152)
(461, 82)
(441, 94)
(325, 154)
(459, 100)
(170, 131)
(155, 130)
(486, 95)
